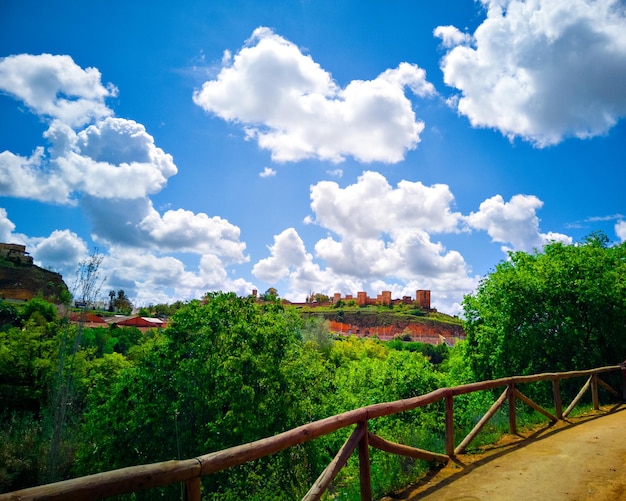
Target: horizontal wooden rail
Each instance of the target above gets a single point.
(405, 450)
(190, 471)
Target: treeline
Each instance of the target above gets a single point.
(230, 370)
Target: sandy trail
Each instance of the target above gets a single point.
(581, 459)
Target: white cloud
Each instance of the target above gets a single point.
(290, 262)
(184, 231)
(114, 158)
(363, 258)
(513, 222)
(372, 206)
(62, 251)
(287, 252)
(620, 230)
(135, 223)
(144, 274)
(381, 239)
(542, 70)
(293, 108)
(6, 228)
(267, 172)
(111, 158)
(26, 177)
(150, 279)
(419, 264)
(56, 87)
(451, 36)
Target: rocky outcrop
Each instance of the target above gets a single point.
(24, 282)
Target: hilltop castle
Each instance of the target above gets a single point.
(422, 299)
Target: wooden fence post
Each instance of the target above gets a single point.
(450, 424)
(192, 489)
(364, 466)
(512, 417)
(558, 405)
(594, 392)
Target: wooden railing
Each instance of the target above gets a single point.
(190, 471)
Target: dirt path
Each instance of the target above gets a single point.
(581, 459)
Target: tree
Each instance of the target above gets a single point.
(321, 298)
(111, 300)
(8, 315)
(40, 308)
(122, 303)
(63, 401)
(316, 330)
(560, 309)
(214, 379)
(87, 283)
(270, 294)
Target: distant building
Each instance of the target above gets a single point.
(15, 252)
(422, 299)
(87, 319)
(142, 323)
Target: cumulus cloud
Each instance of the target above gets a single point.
(292, 107)
(136, 223)
(183, 230)
(6, 228)
(514, 222)
(372, 206)
(108, 167)
(114, 158)
(414, 262)
(385, 231)
(451, 36)
(542, 70)
(55, 86)
(61, 251)
(20, 177)
(620, 230)
(149, 278)
(287, 252)
(289, 261)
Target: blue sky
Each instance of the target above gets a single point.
(310, 146)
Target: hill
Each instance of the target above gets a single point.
(22, 281)
(387, 323)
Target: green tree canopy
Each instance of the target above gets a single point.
(40, 308)
(213, 380)
(8, 315)
(560, 309)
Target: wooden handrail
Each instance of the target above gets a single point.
(190, 471)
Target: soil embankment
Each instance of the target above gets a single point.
(24, 282)
(386, 326)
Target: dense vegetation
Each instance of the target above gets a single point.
(562, 309)
(229, 370)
